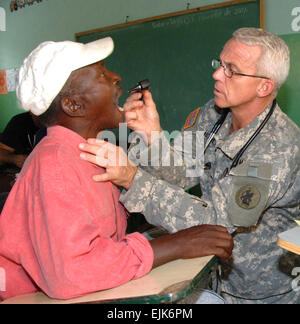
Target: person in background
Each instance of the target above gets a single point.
(61, 232)
(18, 139)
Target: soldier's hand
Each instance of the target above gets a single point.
(193, 242)
(142, 116)
(119, 169)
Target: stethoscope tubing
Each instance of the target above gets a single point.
(220, 122)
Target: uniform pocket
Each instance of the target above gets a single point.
(250, 193)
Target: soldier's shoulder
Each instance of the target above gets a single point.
(287, 132)
(202, 117)
(210, 111)
(282, 144)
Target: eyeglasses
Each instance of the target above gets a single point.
(216, 64)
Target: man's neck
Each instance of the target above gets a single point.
(242, 116)
(78, 126)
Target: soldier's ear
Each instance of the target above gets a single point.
(72, 106)
(265, 88)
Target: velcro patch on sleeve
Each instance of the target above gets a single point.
(191, 120)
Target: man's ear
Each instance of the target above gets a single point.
(266, 88)
(72, 106)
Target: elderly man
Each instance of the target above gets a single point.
(60, 232)
(251, 179)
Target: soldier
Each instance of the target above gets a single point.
(251, 179)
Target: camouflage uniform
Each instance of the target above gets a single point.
(256, 201)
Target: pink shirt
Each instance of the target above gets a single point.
(63, 233)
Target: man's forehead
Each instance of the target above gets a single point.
(85, 77)
(86, 71)
(239, 53)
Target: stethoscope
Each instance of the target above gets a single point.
(220, 122)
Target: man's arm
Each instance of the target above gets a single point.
(176, 158)
(7, 148)
(10, 141)
(8, 156)
(172, 162)
(162, 203)
(170, 207)
(192, 242)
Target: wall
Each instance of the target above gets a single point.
(61, 19)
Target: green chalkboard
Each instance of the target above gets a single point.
(289, 94)
(174, 52)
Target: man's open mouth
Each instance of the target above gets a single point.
(118, 94)
(117, 97)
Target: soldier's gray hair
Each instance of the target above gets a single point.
(274, 61)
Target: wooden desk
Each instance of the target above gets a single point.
(165, 284)
(290, 240)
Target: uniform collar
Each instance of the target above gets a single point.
(232, 144)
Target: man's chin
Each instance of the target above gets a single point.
(117, 122)
(220, 103)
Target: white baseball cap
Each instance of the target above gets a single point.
(45, 71)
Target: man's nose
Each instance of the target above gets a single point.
(218, 74)
(116, 78)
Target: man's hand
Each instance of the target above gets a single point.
(119, 169)
(18, 159)
(142, 116)
(193, 242)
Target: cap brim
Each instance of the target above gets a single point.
(96, 51)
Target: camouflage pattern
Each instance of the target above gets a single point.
(259, 271)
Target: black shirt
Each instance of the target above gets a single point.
(20, 134)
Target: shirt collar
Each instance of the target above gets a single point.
(62, 133)
(233, 143)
